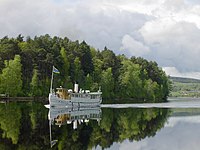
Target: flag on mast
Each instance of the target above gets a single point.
(55, 70)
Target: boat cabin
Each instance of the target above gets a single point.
(86, 95)
(62, 93)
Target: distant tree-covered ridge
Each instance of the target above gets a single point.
(26, 66)
(185, 87)
(184, 80)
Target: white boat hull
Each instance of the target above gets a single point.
(55, 101)
(55, 111)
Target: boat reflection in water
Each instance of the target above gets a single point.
(74, 115)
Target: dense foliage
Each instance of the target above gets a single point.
(26, 66)
(25, 126)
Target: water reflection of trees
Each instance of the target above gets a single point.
(23, 126)
(26, 125)
(133, 124)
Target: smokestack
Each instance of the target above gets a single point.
(76, 88)
(75, 124)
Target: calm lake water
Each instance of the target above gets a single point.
(29, 125)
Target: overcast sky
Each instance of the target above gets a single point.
(165, 31)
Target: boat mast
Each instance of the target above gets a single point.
(50, 136)
(52, 142)
(51, 90)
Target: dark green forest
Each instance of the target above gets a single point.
(26, 66)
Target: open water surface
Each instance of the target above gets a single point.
(162, 126)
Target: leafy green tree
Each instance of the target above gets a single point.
(130, 78)
(97, 69)
(78, 72)
(108, 58)
(35, 88)
(65, 68)
(27, 55)
(65, 62)
(130, 82)
(85, 56)
(11, 77)
(88, 82)
(107, 83)
(8, 48)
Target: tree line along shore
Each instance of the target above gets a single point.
(26, 66)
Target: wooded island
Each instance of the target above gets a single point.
(26, 66)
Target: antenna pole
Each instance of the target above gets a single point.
(51, 91)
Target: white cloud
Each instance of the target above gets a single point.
(135, 48)
(172, 71)
(99, 23)
(167, 31)
(173, 43)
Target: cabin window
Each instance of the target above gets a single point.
(95, 96)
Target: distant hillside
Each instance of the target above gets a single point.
(185, 112)
(184, 80)
(185, 87)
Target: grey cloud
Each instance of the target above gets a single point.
(172, 71)
(98, 23)
(174, 4)
(134, 47)
(193, 2)
(169, 34)
(173, 44)
(108, 26)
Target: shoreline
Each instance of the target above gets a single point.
(23, 99)
(116, 101)
(183, 98)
